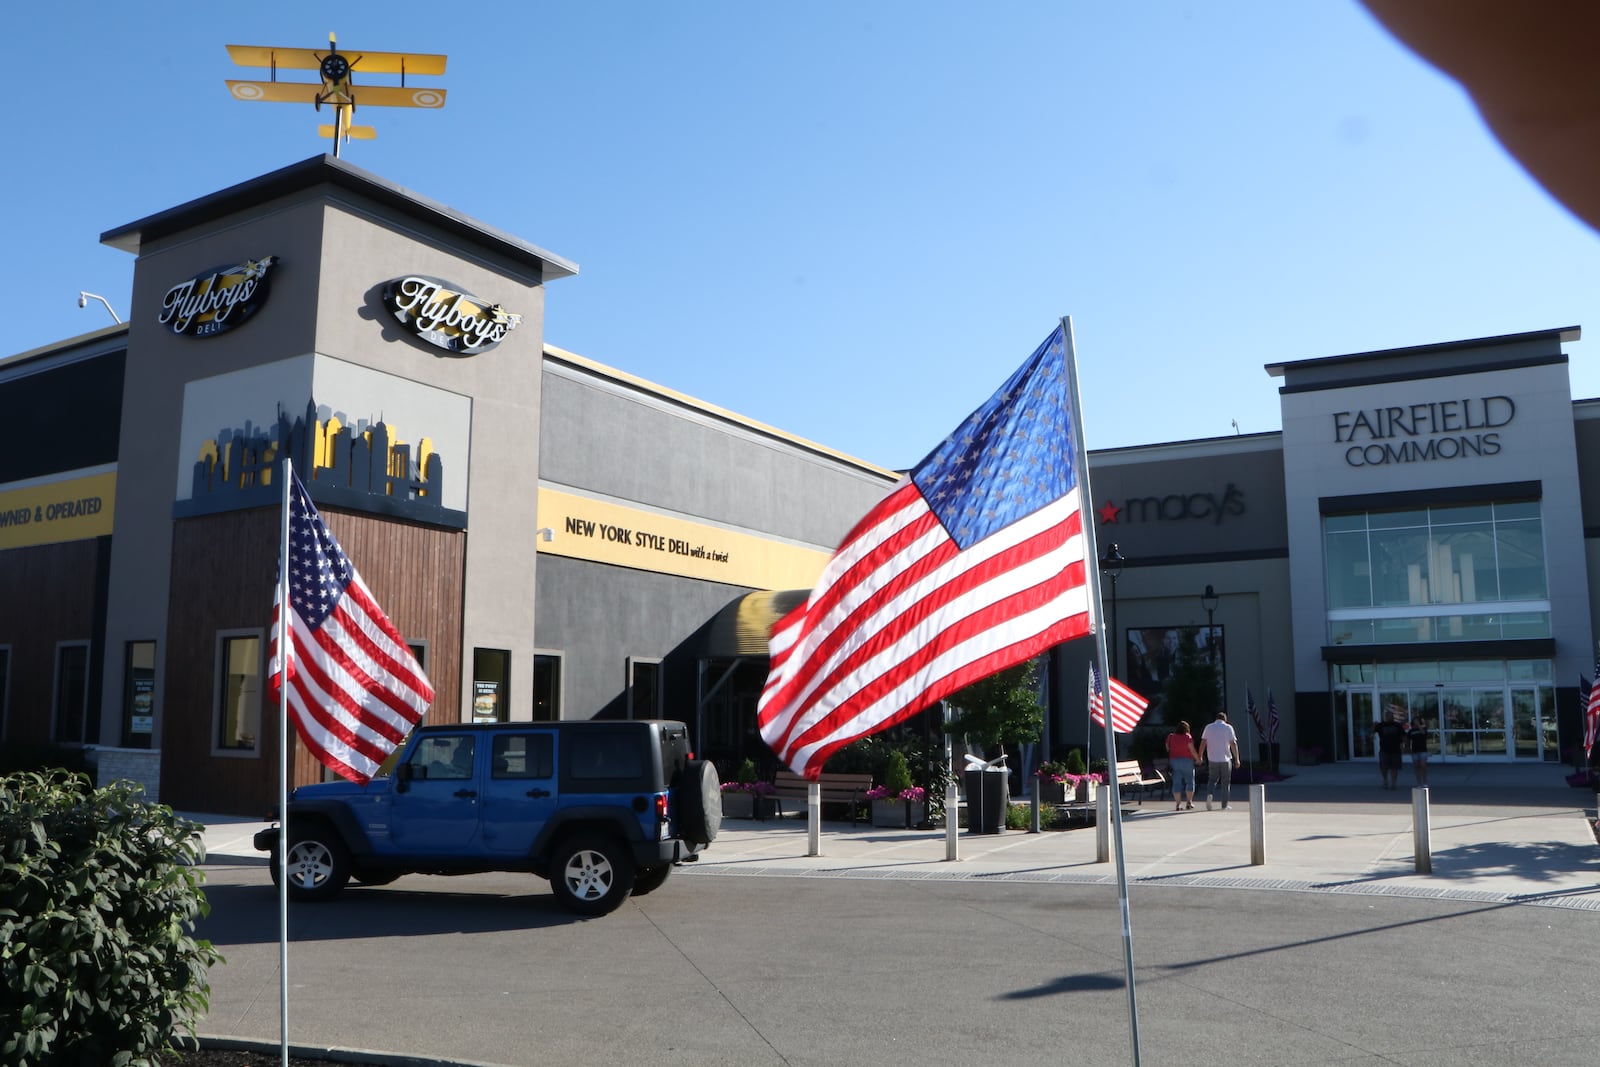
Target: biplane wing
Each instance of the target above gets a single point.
(276, 92)
(390, 96)
(402, 63)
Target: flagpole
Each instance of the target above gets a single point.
(1080, 463)
(284, 651)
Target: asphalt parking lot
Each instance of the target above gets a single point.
(1333, 951)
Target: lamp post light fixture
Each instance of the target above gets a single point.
(83, 302)
(1112, 563)
(1208, 600)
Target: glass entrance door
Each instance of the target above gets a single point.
(1463, 723)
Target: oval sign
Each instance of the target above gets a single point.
(216, 300)
(446, 317)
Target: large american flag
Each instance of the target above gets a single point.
(1127, 706)
(355, 690)
(972, 564)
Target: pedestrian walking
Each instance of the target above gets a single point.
(1181, 756)
(1417, 741)
(1391, 735)
(1219, 747)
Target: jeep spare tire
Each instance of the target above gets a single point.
(699, 799)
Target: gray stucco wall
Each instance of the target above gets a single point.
(611, 439)
(617, 438)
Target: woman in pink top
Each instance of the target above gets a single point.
(1180, 751)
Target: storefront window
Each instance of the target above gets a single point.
(138, 694)
(1470, 557)
(491, 681)
(239, 695)
(546, 687)
(72, 692)
(644, 688)
(5, 677)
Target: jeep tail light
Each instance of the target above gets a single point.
(661, 806)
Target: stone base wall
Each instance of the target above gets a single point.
(141, 765)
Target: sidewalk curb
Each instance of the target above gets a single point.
(332, 1053)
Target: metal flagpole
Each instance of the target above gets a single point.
(284, 651)
(1080, 460)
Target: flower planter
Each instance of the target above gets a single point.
(900, 814)
(738, 805)
(1085, 793)
(1050, 791)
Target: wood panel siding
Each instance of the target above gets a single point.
(223, 571)
(47, 595)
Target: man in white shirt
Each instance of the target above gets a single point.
(1219, 747)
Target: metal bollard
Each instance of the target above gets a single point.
(1102, 825)
(1034, 826)
(814, 818)
(952, 821)
(1258, 825)
(1421, 846)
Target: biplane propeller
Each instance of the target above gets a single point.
(337, 87)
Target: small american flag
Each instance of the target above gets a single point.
(1591, 709)
(355, 690)
(1272, 717)
(1127, 707)
(1255, 713)
(973, 564)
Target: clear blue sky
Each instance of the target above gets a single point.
(852, 220)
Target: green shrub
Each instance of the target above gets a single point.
(1075, 763)
(896, 773)
(747, 771)
(1019, 816)
(98, 893)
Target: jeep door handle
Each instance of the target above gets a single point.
(538, 792)
(465, 794)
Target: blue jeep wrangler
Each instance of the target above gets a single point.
(601, 809)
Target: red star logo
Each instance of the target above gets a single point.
(1108, 513)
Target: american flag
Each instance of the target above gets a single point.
(972, 564)
(1255, 713)
(1272, 717)
(1591, 709)
(1127, 707)
(355, 690)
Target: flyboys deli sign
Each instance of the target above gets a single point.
(446, 317)
(216, 300)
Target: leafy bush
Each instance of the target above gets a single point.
(98, 893)
(896, 773)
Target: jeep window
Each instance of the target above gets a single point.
(523, 756)
(597, 755)
(444, 757)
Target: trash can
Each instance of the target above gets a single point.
(986, 799)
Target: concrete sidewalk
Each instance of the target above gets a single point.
(1499, 833)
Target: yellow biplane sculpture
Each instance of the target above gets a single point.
(337, 88)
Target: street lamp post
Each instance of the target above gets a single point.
(1208, 600)
(1111, 563)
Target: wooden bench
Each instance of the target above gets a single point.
(847, 789)
(1131, 776)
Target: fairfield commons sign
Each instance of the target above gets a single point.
(1421, 433)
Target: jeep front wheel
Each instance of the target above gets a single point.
(318, 865)
(591, 874)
